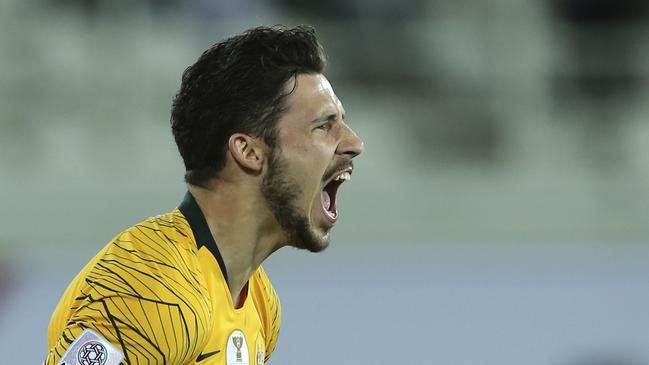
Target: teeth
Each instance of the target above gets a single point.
(344, 176)
(326, 200)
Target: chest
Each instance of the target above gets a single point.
(234, 340)
(235, 336)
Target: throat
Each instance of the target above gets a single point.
(239, 299)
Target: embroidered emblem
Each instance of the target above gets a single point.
(237, 352)
(92, 353)
(91, 349)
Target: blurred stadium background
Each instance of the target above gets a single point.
(500, 214)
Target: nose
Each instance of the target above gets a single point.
(351, 144)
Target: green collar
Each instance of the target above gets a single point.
(192, 212)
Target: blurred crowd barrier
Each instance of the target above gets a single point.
(496, 121)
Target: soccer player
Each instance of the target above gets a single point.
(265, 146)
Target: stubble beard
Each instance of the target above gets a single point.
(282, 196)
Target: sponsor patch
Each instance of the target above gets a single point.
(91, 349)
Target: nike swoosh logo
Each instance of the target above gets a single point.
(204, 356)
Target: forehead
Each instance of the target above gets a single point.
(312, 97)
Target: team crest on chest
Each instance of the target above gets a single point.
(237, 349)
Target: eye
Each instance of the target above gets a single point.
(324, 126)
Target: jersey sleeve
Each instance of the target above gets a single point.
(131, 325)
(141, 296)
(270, 310)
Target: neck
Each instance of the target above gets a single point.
(244, 229)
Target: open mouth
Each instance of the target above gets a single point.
(328, 194)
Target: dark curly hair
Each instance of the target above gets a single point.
(238, 85)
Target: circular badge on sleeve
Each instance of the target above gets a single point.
(92, 353)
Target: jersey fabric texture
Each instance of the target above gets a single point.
(158, 292)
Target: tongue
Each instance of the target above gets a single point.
(326, 200)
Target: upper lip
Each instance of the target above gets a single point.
(347, 169)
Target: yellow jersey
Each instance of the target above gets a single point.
(158, 294)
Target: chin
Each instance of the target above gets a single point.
(316, 248)
(321, 246)
(312, 241)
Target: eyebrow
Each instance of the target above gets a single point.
(328, 117)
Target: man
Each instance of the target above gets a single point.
(265, 146)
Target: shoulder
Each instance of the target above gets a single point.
(265, 296)
(154, 260)
(158, 251)
(268, 307)
(143, 288)
(166, 231)
(262, 280)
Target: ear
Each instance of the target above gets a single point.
(247, 151)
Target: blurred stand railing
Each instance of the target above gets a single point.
(493, 120)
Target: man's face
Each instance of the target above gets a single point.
(313, 157)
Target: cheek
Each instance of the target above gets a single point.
(313, 155)
(308, 170)
(302, 169)
(309, 158)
